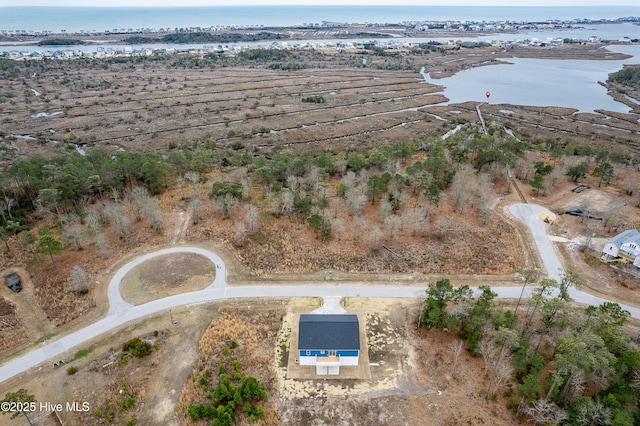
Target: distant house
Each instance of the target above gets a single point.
(624, 247)
(328, 341)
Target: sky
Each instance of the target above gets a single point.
(183, 3)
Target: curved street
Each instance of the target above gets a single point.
(121, 312)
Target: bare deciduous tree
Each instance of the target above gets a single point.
(241, 234)
(456, 348)
(415, 221)
(136, 199)
(151, 210)
(195, 205)
(7, 204)
(311, 178)
(391, 223)
(441, 226)
(288, 203)
(338, 227)
(73, 233)
(251, 216)
(93, 219)
(385, 208)
(47, 202)
(485, 209)
(375, 239)
(181, 183)
(496, 346)
(356, 198)
(79, 279)
(350, 180)
(462, 181)
(359, 224)
(593, 412)
(196, 184)
(226, 205)
(336, 205)
(102, 244)
(115, 214)
(245, 180)
(544, 412)
(294, 184)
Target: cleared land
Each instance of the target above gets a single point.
(165, 276)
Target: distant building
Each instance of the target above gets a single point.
(328, 341)
(624, 248)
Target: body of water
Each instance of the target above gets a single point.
(540, 82)
(535, 82)
(74, 19)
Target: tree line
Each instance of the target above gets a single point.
(553, 363)
(461, 169)
(205, 37)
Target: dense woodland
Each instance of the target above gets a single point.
(553, 363)
(408, 181)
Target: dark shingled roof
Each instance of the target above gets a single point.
(329, 332)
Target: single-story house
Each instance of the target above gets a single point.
(328, 341)
(624, 247)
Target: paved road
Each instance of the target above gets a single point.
(530, 215)
(121, 312)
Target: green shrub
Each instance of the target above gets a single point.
(72, 370)
(137, 347)
(128, 402)
(81, 354)
(314, 99)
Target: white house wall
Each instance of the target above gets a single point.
(610, 249)
(322, 370)
(307, 360)
(344, 360)
(349, 360)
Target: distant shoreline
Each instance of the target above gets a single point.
(336, 31)
(133, 20)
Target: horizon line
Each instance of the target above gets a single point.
(145, 6)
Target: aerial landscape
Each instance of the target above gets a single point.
(319, 215)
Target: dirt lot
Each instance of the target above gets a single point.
(165, 276)
(609, 280)
(412, 377)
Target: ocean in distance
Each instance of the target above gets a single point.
(76, 19)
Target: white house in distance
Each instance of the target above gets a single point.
(624, 247)
(328, 341)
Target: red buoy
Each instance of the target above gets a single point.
(488, 94)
